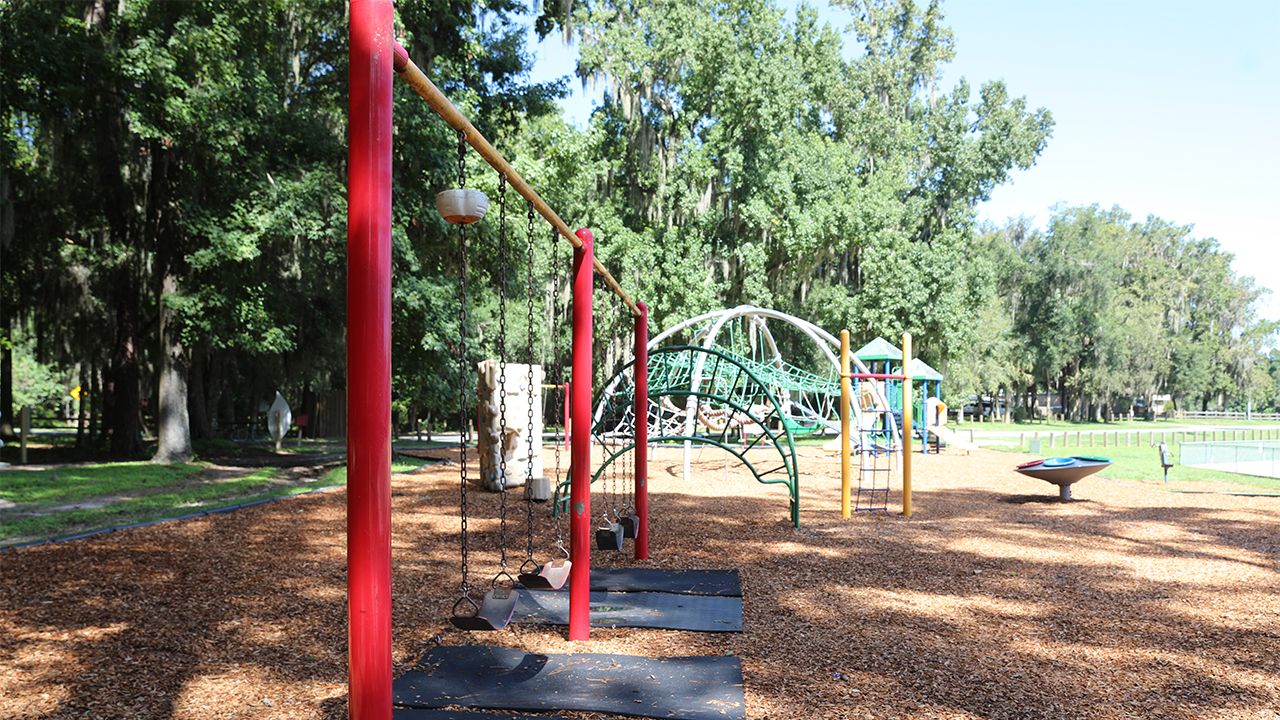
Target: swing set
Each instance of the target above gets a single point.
(463, 207)
(374, 57)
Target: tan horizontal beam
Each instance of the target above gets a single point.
(421, 84)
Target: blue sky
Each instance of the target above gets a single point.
(1162, 107)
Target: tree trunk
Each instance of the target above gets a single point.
(95, 402)
(1068, 403)
(197, 409)
(82, 420)
(126, 430)
(6, 394)
(174, 431)
(309, 409)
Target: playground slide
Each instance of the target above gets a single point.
(951, 438)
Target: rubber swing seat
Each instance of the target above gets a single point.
(551, 576)
(629, 525)
(609, 537)
(495, 611)
(538, 490)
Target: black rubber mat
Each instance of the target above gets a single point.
(667, 611)
(681, 688)
(424, 714)
(683, 582)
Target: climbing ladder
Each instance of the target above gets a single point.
(875, 454)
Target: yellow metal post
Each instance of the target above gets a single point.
(906, 424)
(846, 393)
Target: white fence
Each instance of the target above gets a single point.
(1260, 458)
(1224, 415)
(1116, 438)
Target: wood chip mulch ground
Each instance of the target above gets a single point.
(993, 601)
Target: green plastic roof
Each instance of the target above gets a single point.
(920, 370)
(879, 349)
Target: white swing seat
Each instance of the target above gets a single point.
(551, 576)
(538, 489)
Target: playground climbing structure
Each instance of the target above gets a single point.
(808, 401)
(702, 396)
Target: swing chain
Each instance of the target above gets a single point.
(462, 368)
(558, 372)
(529, 325)
(502, 364)
(629, 467)
(609, 478)
(502, 328)
(462, 159)
(609, 481)
(533, 391)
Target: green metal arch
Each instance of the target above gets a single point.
(726, 385)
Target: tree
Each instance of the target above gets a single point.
(180, 167)
(475, 56)
(63, 158)
(997, 357)
(1114, 312)
(779, 174)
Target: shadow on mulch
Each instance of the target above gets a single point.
(1045, 499)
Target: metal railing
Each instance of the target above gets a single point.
(1224, 415)
(1260, 458)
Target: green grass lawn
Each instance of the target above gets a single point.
(168, 492)
(40, 504)
(68, 484)
(81, 499)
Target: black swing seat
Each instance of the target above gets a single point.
(551, 576)
(630, 524)
(494, 613)
(609, 536)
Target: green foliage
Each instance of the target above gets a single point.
(183, 164)
(482, 67)
(1268, 398)
(763, 168)
(194, 153)
(1108, 312)
(35, 383)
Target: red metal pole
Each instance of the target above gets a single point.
(580, 450)
(369, 362)
(640, 369)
